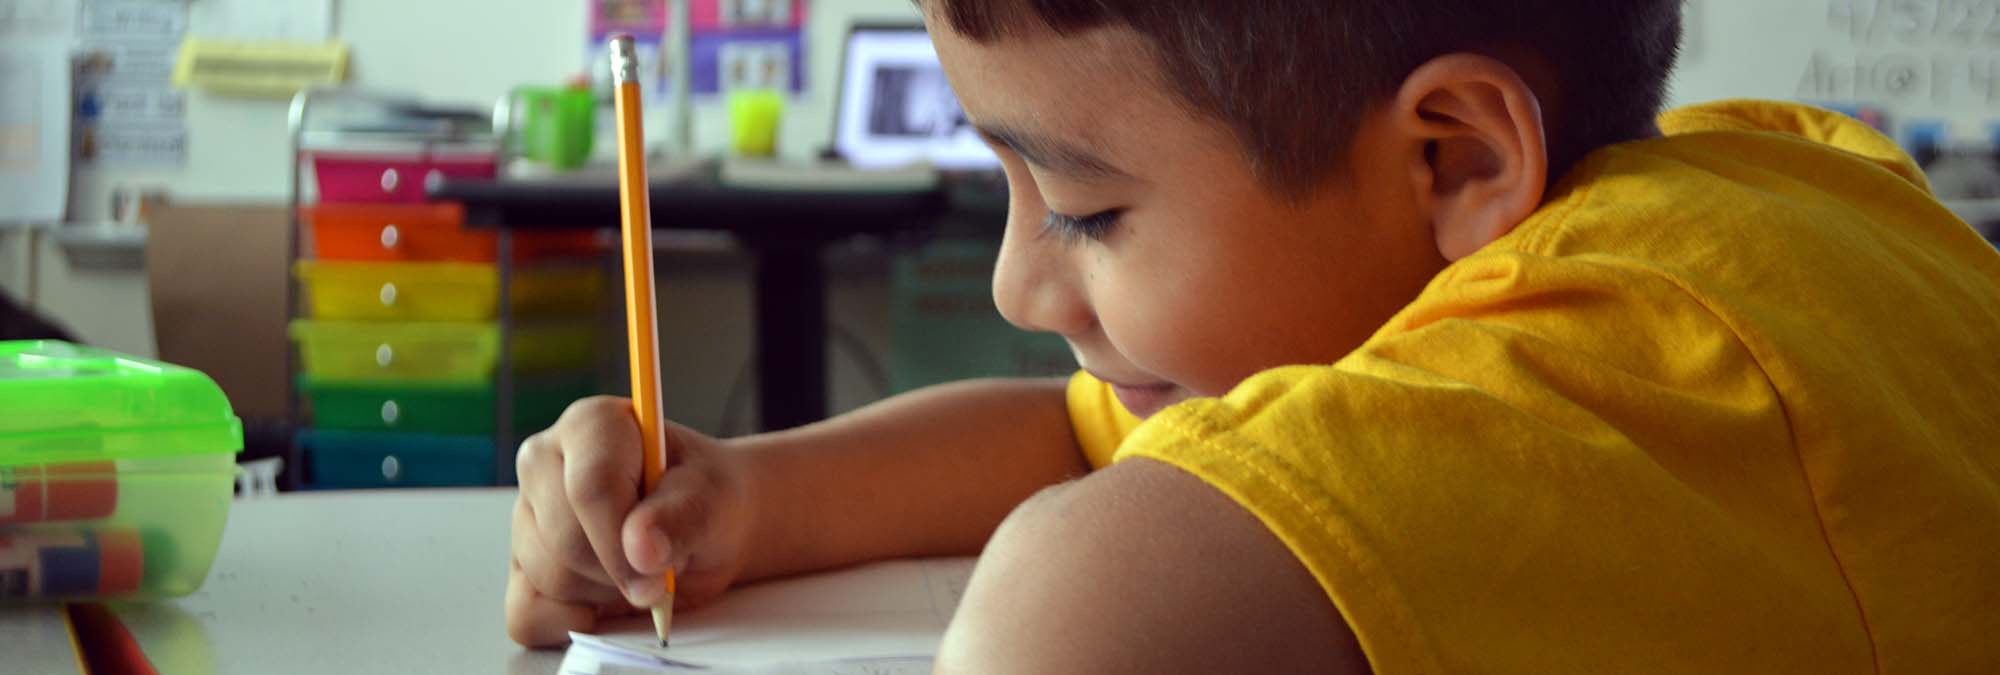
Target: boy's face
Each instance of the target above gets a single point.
(1174, 273)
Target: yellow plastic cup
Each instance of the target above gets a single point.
(753, 121)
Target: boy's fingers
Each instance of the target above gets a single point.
(540, 463)
(549, 576)
(535, 620)
(601, 474)
(668, 525)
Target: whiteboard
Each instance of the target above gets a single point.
(1923, 61)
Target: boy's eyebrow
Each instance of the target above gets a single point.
(1052, 154)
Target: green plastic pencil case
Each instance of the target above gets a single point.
(116, 474)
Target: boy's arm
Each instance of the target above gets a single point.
(929, 473)
(932, 472)
(1142, 568)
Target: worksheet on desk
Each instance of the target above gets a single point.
(880, 619)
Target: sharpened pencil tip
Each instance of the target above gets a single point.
(663, 621)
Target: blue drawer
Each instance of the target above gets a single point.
(350, 459)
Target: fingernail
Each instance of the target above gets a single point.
(642, 592)
(663, 548)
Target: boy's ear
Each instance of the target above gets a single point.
(1480, 157)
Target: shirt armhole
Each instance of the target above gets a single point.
(1100, 423)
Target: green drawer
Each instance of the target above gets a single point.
(438, 408)
(351, 460)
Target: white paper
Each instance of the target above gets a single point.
(299, 20)
(886, 618)
(592, 655)
(34, 130)
(121, 21)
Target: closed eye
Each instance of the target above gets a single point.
(1094, 227)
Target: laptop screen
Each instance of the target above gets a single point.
(896, 108)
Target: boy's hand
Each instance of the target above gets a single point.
(585, 545)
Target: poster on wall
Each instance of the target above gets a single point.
(639, 17)
(34, 127)
(647, 22)
(746, 44)
(127, 111)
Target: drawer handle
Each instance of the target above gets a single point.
(384, 355)
(392, 468)
(433, 180)
(391, 412)
(389, 294)
(391, 236)
(390, 179)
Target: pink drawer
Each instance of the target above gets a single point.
(365, 178)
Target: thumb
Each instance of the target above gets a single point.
(671, 524)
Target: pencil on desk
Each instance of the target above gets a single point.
(636, 228)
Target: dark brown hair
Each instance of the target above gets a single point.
(1291, 78)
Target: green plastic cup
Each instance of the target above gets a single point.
(558, 125)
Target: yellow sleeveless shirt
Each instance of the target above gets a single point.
(1729, 402)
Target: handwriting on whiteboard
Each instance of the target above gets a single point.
(1935, 51)
(1917, 23)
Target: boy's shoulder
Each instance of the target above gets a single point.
(1716, 167)
(1615, 402)
(1794, 123)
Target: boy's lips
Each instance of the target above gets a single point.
(1143, 399)
(1142, 402)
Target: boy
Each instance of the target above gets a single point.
(1449, 360)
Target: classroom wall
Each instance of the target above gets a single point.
(109, 308)
(452, 51)
(471, 51)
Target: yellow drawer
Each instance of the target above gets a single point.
(443, 291)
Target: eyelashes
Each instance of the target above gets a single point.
(1094, 227)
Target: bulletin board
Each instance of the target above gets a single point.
(746, 44)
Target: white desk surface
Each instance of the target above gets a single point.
(414, 581)
(405, 581)
(35, 639)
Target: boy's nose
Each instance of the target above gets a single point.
(1035, 285)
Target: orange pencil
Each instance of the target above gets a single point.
(636, 228)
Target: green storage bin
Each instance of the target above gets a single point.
(116, 474)
(362, 460)
(439, 408)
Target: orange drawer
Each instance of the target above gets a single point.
(426, 232)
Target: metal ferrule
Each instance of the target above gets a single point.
(624, 60)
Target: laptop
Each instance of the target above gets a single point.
(896, 109)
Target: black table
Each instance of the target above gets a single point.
(785, 229)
